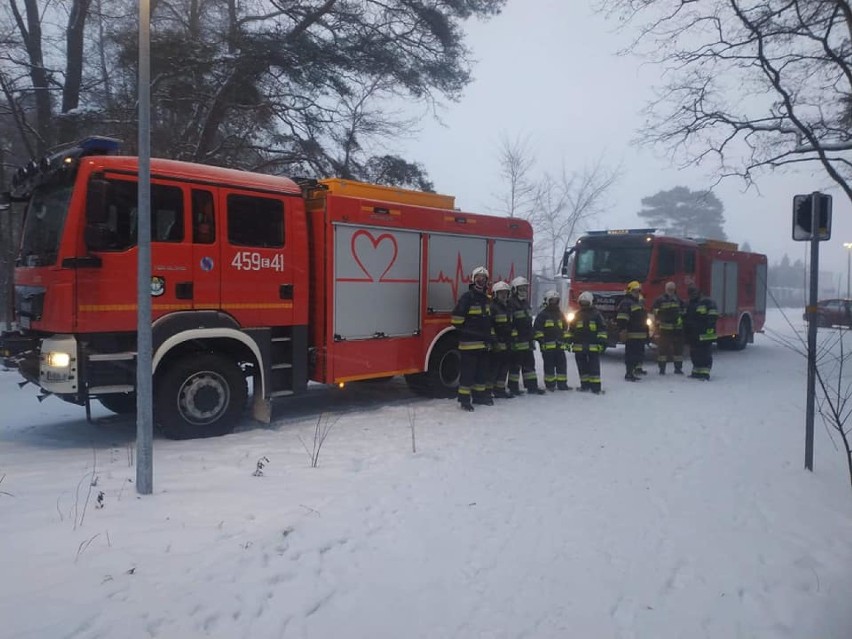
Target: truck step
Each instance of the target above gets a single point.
(107, 390)
(282, 339)
(280, 366)
(280, 393)
(111, 357)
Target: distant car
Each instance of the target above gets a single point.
(833, 313)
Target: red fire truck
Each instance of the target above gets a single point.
(253, 276)
(603, 262)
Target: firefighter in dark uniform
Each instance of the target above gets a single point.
(472, 319)
(700, 330)
(587, 334)
(633, 328)
(523, 344)
(501, 319)
(550, 331)
(668, 311)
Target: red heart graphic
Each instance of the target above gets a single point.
(375, 241)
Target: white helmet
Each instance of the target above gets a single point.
(586, 298)
(550, 296)
(479, 270)
(500, 286)
(520, 281)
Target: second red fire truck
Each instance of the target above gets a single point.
(253, 276)
(604, 262)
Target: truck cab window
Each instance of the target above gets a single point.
(689, 262)
(203, 218)
(118, 231)
(166, 213)
(255, 221)
(666, 260)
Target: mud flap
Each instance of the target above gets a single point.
(261, 409)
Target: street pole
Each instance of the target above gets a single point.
(848, 247)
(812, 338)
(144, 410)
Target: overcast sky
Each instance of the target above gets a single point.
(548, 69)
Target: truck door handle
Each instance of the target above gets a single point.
(285, 291)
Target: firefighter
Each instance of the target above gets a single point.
(668, 311)
(501, 318)
(551, 333)
(587, 334)
(633, 330)
(472, 318)
(523, 345)
(700, 330)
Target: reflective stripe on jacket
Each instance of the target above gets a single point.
(472, 318)
(587, 331)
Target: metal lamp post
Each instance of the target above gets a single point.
(144, 411)
(848, 247)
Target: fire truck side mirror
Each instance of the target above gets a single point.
(96, 200)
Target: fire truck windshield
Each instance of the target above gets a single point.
(44, 221)
(612, 259)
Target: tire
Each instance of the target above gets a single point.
(743, 333)
(120, 403)
(200, 395)
(441, 379)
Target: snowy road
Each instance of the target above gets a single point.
(666, 508)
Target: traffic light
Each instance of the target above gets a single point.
(803, 209)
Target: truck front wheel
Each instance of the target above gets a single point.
(201, 395)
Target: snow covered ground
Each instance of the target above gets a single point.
(667, 508)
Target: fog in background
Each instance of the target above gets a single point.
(548, 70)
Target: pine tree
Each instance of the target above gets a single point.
(685, 213)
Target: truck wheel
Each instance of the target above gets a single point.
(743, 332)
(442, 377)
(120, 403)
(199, 396)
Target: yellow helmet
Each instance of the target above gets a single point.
(634, 286)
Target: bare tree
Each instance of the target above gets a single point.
(751, 85)
(516, 163)
(562, 205)
(834, 389)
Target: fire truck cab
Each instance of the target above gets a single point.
(253, 276)
(603, 262)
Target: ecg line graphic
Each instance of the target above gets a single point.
(460, 277)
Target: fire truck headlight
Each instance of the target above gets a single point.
(58, 360)
(650, 322)
(571, 315)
